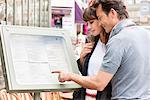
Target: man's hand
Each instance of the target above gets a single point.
(63, 76)
(97, 82)
(91, 2)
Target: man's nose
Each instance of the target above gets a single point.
(99, 23)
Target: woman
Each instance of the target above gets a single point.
(91, 57)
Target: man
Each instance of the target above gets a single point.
(127, 59)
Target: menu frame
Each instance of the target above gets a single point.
(8, 64)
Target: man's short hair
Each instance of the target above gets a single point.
(117, 5)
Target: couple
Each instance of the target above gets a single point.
(126, 62)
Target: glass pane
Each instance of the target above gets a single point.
(2, 11)
(18, 12)
(10, 12)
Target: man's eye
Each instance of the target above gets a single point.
(99, 19)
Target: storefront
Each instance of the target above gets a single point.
(59, 15)
(63, 15)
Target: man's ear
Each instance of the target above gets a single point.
(113, 13)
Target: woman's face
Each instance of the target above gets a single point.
(95, 27)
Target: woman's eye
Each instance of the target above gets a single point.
(91, 22)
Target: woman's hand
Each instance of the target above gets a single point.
(87, 48)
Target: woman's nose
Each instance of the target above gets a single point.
(89, 28)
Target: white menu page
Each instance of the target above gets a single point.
(35, 57)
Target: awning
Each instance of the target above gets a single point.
(78, 14)
(61, 11)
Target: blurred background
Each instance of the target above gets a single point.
(66, 14)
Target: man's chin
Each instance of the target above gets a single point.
(107, 31)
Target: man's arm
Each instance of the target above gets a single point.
(97, 82)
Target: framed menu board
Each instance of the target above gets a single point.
(29, 55)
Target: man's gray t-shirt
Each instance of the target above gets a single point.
(128, 59)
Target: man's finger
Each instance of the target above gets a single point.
(56, 71)
(62, 81)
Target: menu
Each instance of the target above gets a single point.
(36, 56)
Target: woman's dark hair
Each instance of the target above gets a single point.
(117, 5)
(89, 14)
